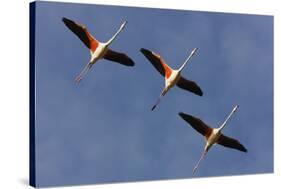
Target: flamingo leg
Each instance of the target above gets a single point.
(83, 72)
(159, 99)
(201, 158)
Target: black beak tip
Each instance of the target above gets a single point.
(153, 108)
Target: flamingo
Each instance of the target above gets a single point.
(172, 77)
(98, 50)
(212, 135)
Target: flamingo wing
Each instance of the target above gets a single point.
(189, 85)
(158, 62)
(197, 124)
(118, 57)
(231, 143)
(82, 33)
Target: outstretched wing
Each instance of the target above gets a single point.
(189, 85)
(158, 62)
(231, 143)
(197, 124)
(81, 32)
(118, 57)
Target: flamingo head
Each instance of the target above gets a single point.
(193, 51)
(123, 25)
(235, 108)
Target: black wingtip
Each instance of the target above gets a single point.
(67, 21)
(183, 115)
(64, 19)
(143, 50)
(132, 63)
(129, 63)
(244, 150)
(200, 93)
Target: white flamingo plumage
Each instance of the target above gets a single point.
(212, 135)
(172, 77)
(98, 50)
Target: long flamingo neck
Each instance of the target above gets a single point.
(228, 118)
(188, 58)
(116, 34)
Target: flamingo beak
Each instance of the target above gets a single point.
(193, 51)
(123, 24)
(235, 108)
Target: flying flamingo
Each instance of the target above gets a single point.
(172, 77)
(212, 135)
(98, 50)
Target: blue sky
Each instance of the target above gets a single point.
(102, 130)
